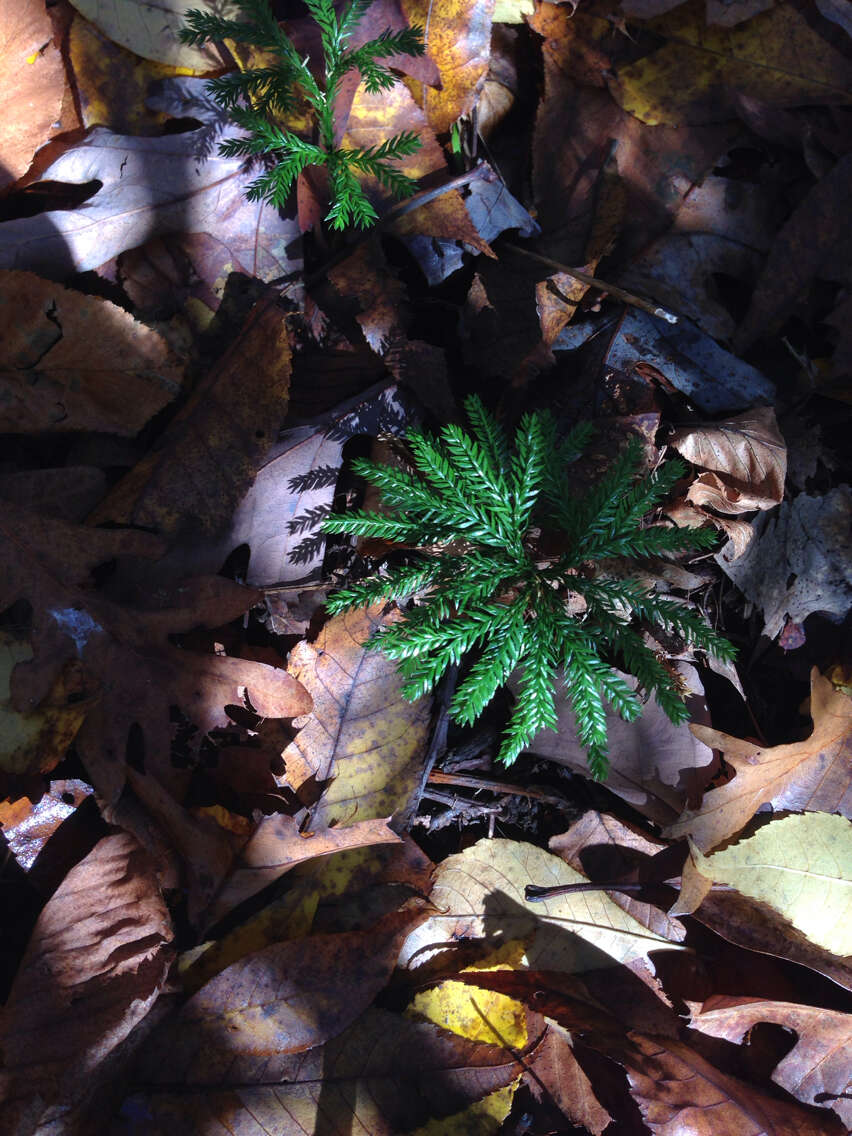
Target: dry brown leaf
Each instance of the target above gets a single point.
(208, 456)
(384, 1075)
(361, 733)
(69, 493)
(746, 457)
(554, 1077)
(96, 962)
(816, 1070)
(814, 238)
(278, 846)
(32, 80)
(814, 774)
(283, 999)
(654, 169)
(458, 40)
(681, 1094)
(75, 362)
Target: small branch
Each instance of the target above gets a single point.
(594, 282)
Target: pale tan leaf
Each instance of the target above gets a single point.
(746, 457)
(480, 892)
(151, 30)
(801, 866)
(816, 1070)
(598, 837)
(813, 774)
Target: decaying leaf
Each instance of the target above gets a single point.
(209, 454)
(31, 74)
(801, 866)
(95, 964)
(75, 362)
(816, 1070)
(481, 894)
(555, 1077)
(798, 560)
(284, 999)
(137, 673)
(693, 76)
(362, 734)
(812, 774)
(384, 1074)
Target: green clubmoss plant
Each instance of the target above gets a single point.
(513, 565)
(260, 98)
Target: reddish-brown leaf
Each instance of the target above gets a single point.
(76, 362)
(94, 966)
(681, 1094)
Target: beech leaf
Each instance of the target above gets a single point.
(801, 866)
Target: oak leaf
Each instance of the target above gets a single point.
(816, 1070)
(812, 774)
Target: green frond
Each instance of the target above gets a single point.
(499, 658)
(527, 468)
(488, 433)
(535, 709)
(396, 584)
(471, 501)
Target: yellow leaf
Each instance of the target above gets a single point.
(458, 38)
(775, 58)
(478, 1015)
(484, 1118)
(801, 866)
(362, 736)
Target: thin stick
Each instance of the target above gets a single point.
(594, 282)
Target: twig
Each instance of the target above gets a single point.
(594, 282)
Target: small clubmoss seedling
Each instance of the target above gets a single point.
(514, 567)
(259, 100)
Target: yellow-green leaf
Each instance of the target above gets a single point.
(801, 866)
